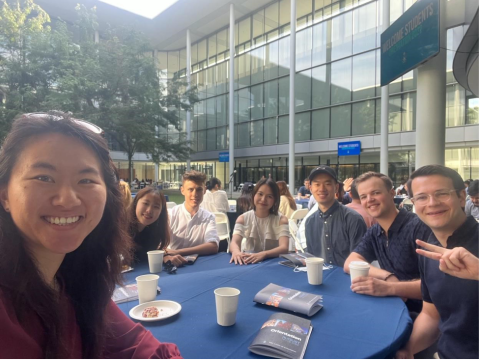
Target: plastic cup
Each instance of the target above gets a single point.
(314, 270)
(358, 268)
(155, 260)
(226, 300)
(147, 287)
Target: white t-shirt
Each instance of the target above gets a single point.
(208, 202)
(188, 231)
(220, 199)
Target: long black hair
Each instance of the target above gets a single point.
(88, 275)
(276, 193)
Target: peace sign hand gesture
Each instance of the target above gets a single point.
(457, 262)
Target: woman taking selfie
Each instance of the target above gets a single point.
(63, 233)
(149, 222)
(265, 230)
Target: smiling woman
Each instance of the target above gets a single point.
(63, 231)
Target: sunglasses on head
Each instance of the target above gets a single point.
(59, 116)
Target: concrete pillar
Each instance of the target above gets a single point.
(291, 118)
(384, 101)
(231, 126)
(189, 82)
(431, 101)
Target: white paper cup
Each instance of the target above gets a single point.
(147, 287)
(226, 300)
(314, 270)
(358, 268)
(155, 260)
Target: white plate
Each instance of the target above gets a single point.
(166, 309)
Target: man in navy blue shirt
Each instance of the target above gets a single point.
(391, 242)
(450, 304)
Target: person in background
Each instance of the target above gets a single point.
(330, 230)
(193, 229)
(265, 230)
(245, 201)
(149, 223)
(450, 304)
(340, 193)
(220, 197)
(287, 202)
(358, 207)
(64, 232)
(401, 190)
(304, 191)
(208, 202)
(471, 207)
(466, 183)
(127, 195)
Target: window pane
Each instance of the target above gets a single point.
(271, 61)
(396, 9)
(212, 45)
(341, 121)
(211, 139)
(242, 67)
(378, 109)
(472, 111)
(284, 12)
(364, 76)
(202, 140)
(257, 59)
(211, 114)
(162, 62)
(455, 112)
(271, 17)
(341, 36)
(243, 105)
(202, 50)
(363, 118)
(283, 129)
(243, 135)
(364, 27)
(222, 110)
(173, 63)
(244, 31)
(341, 81)
(271, 98)
(302, 126)
(408, 111)
(222, 41)
(221, 138)
(283, 95)
(395, 114)
(211, 86)
(201, 115)
(321, 124)
(320, 86)
(257, 102)
(270, 131)
(319, 54)
(284, 56)
(258, 24)
(304, 7)
(304, 49)
(221, 77)
(303, 94)
(257, 133)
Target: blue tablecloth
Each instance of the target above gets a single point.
(349, 325)
(303, 202)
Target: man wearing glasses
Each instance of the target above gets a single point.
(450, 304)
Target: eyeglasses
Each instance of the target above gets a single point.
(440, 196)
(58, 116)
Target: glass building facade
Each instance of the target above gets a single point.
(337, 90)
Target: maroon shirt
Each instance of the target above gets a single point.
(128, 340)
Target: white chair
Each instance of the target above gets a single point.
(293, 228)
(171, 204)
(233, 205)
(223, 227)
(299, 206)
(299, 215)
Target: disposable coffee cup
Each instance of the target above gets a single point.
(147, 287)
(155, 260)
(314, 270)
(358, 268)
(226, 300)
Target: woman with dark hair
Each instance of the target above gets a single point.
(220, 197)
(149, 224)
(208, 202)
(287, 203)
(245, 201)
(265, 230)
(64, 231)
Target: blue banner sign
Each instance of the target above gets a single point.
(411, 40)
(224, 156)
(349, 148)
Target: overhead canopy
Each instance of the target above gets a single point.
(466, 64)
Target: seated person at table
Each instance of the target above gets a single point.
(208, 202)
(287, 203)
(265, 230)
(304, 191)
(391, 242)
(193, 229)
(471, 207)
(358, 207)
(64, 230)
(330, 230)
(245, 201)
(450, 304)
(220, 197)
(149, 223)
